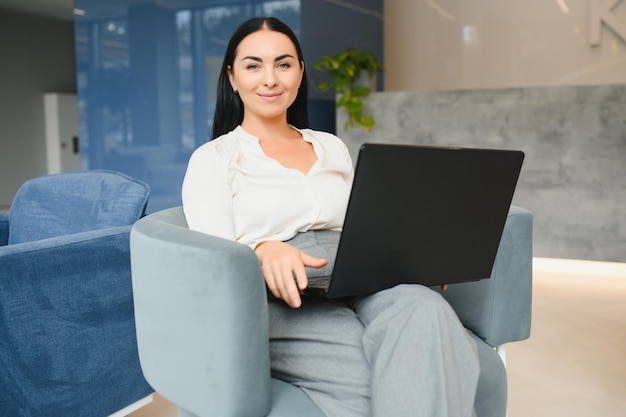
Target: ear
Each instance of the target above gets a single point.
(231, 78)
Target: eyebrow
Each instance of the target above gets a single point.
(278, 58)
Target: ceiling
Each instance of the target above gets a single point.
(58, 9)
(99, 10)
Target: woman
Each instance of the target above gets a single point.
(265, 178)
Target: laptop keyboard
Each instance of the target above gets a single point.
(319, 282)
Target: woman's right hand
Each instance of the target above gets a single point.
(283, 270)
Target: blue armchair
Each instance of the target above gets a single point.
(67, 331)
(202, 320)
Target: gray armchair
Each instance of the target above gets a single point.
(202, 321)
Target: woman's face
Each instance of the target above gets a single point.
(266, 73)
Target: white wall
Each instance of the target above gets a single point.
(461, 44)
(36, 56)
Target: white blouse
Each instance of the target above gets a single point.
(233, 190)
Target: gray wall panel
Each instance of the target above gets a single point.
(574, 176)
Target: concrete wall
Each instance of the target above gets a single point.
(36, 57)
(574, 174)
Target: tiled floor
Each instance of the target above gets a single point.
(574, 364)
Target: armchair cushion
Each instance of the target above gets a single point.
(68, 344)
(62, 204)
(4, 229)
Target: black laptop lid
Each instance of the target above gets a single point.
(426, 215)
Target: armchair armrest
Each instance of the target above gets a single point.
(68, 337)
(201, 317)
(4, 229)
(498, 309)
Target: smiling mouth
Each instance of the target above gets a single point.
(270, 97)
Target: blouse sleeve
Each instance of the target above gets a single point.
(206, 194)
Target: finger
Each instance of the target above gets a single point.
(300, 276)
(289, 289)
(278, 272)
(444, 287)
(270, 281)
(280, 284)
(274, 277)
(308, 260)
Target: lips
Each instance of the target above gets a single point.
(270, 96)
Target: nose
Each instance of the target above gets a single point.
(270, 78)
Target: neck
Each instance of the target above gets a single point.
(267, 128)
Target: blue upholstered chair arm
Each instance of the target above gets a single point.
(201, 316)
(498, 309)
(4, 228)
(68, 334)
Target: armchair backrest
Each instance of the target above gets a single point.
(73, 202)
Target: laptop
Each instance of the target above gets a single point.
(416, 214)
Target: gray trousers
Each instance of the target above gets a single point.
(400, 352)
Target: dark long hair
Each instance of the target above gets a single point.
(229, 107)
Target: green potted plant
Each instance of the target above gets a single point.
(346, 69)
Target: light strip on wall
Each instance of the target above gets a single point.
(347, 5)
(564, 7)
(443, 12)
